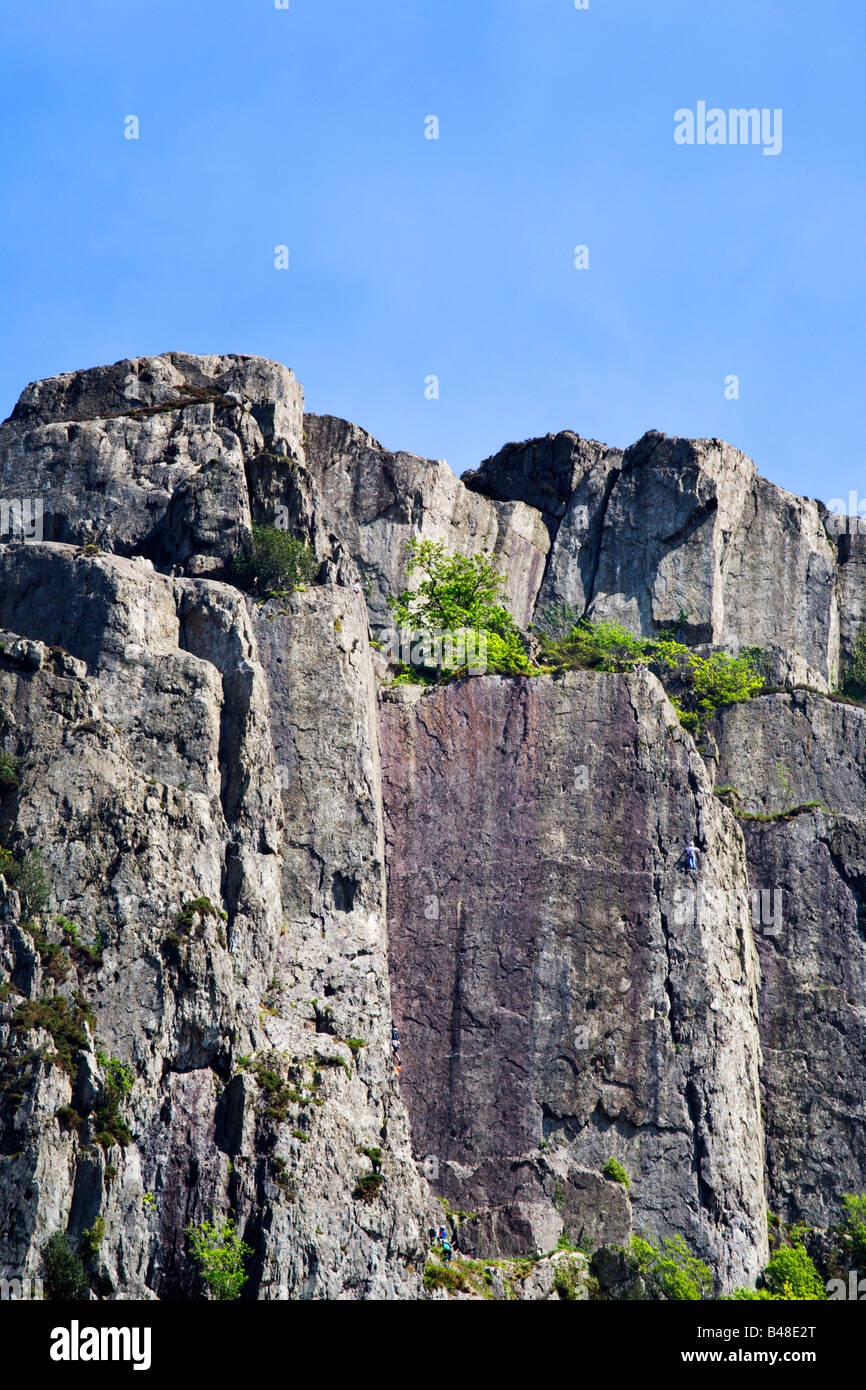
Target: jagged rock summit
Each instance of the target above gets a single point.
(258, 855)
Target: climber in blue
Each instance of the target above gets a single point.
(692, 852)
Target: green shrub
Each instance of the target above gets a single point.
(8, 772)
(219, 1253)
(119, 1077)
(63, 1021)
(506, 654)
(614, 1170)
(590, 646)
(64, 1273)
(720, 680)
(569, 1280)
(184, 920)
(697, 686)
(671, 1271)
(68, 1118)
(110, 1126)
(459, 595)
(368, 1187)
(93, 1238)
(556, 621)
(438, 1276)
(273, 562)
(854, 1227)
(791, 1274)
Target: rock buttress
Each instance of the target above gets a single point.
(561, 997)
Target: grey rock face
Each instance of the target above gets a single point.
(567, 989)
(559, 1005)
(779, 752)
(376, 501)
(148, 456)
(149, 778)
(684, 533)
(543, 473)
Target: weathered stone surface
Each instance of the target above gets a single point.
(779, 752)
(543, 473)
(151, 774)
(690, 529)
(377, 500)
(567, 990)
(148, 456)
(556, 1006)
(684, 532)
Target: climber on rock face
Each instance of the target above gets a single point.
(447, 1250)
(692, 852)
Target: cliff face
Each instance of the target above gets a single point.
(559, 1002)
(239, 826)
(799, 750)
(176, 744)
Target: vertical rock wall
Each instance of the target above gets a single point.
(561, 996)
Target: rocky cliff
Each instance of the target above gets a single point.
(256, 849)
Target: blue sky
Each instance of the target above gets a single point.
(411, 257)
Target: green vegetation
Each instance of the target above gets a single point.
(8, 772)
(569, 1280)
(64, 1273)
(110, 1126)
(670, 1271)
(854, 1225)
(354, 1045)
(614, 1170)
(69, 1119)
(26, 874)
(81, 953)
(55, 961)
(63, 1021)
(273, 563)
(219, 1253)
(697, 686)
(589, 646)
(119, 1076)
(375, 1157)
(92, 1239)
(556, 621)
(458, 595)
(283, 1093)
(449, 1277)
(788, 813)
(368, 1187)
(200, 908)
(790, 1275)
(282, 1177)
